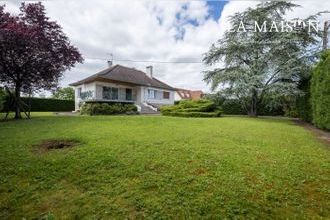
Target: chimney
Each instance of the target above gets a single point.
(149, 71)
(109, 63)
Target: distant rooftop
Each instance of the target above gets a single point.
(189, 94)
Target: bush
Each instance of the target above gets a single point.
(107, 109)
(188, 108)
(320, 92)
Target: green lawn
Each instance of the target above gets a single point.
(163, 167)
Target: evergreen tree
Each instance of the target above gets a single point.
(259, 63)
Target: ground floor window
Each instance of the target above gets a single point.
(166, 95)
(128, 94)
(152, 94)
(110, 93)
(79, 92)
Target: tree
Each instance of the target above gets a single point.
(66, 93)
(262, 63)
(34, 51)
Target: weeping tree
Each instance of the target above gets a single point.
(34, 52)
(263, 55)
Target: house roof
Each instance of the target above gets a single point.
(189, 94)
(127, 75)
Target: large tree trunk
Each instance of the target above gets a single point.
(17, 101)
(254, 105)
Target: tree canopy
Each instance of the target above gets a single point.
(34, 51)
(66, 93)
(260, 63)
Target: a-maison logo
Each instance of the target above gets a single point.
(275, 26)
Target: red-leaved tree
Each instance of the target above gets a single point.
(34, 51)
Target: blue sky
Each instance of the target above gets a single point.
(214, 12)
(216, 8)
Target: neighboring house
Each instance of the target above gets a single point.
(185, 94)
(125, 85)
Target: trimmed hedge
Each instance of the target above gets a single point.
(303, 103)
(188, 108)
(45, 104)
(107, 109)
(320, 92)
(2, 99)
(194, 114)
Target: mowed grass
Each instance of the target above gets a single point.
(163, 167)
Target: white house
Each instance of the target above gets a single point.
(125, 85)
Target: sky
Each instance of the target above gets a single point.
(142, 30)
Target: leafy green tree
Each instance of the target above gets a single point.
(66, 93)
(320, 92)
(262, 63)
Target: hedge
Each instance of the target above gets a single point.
(194, 114)
(303, 103)
(2, 99)
(107, 108)
(45, 104)
(320, 92)
(188, 108)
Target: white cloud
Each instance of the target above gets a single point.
(146, 30)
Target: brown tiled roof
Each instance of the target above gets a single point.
(190, 94)
(124, 74)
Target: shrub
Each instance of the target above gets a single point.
(188, 108)
(107, 109)
(320, 92)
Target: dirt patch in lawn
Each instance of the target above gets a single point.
(322, 135)
(56, 144)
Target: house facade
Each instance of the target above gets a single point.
(124, 85)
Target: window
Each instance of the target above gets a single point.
(151, 94)
(106, 93)
(110, 93)
(166, 95)
(79, 92)
(114, 93)
(128, 94)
